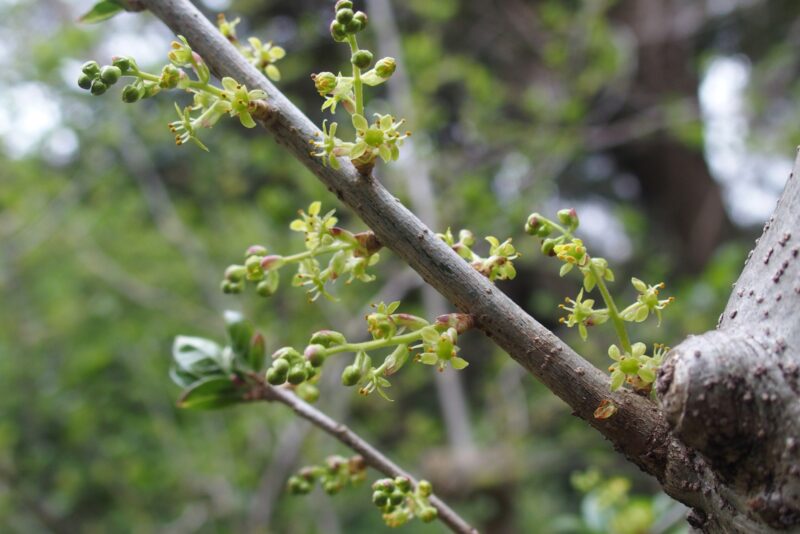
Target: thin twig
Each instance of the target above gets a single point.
(637, 429)
(372, 456)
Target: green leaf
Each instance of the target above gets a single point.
(196, 355)
(257, 352)
(458, 363)
(210, 394)
(101, 11)
(240, 332)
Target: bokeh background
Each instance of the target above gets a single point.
(669, 124)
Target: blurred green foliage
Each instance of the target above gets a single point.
(113, 241)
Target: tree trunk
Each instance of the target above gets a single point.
(731, 395)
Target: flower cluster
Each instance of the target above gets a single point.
(214, 376)
(380, 139)
(631, 363)
(497, 266)
(400, 501)
(262, 56)
(209, 104)
(634, 366)
(408, 337)
(350, 254)
(337, 473)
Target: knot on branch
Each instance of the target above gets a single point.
(727, 395)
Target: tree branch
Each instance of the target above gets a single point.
(372, 456)
(637, 429)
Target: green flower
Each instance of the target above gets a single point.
(582, 313)
(264, 55)
(242, 101)
(647, 302)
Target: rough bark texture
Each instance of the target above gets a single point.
(730, 395)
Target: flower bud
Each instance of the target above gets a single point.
(281, 365)
(84, 81)
(338, 32)
(356, 464)
(150, 89)
(351, 375)
(272, 262)
(536, 225)
(460, 321)
(385, 67)
(361, 18)
(343, 4)
(98, 87)
(110, 74)
(403, 484)
(325, 82)
(328, 338)
(253, 266)
(308, 392)
(131, 94)
(91, 68)
(297, 375)
(548, 247)
(315, 354)
(255, 250)
(428, 514)
(344, 15)
(424, 488)
(465, 237)
(332, 487)
(274, 377)
(170, 75)
(122, 63)
(397, 497)
(265, 288)
(298, 486)
(380, 498)
(362, 59)
(569, 218)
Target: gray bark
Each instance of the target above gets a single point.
(725, 444)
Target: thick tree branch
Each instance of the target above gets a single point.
(372, 456)
(637, 429)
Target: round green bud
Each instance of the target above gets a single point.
(272, 262)
(234, 273)
(131, 94)
(344, 15)
(548, 247)
(225, 286)
(122, 63)
(281, 365)
(351, 375)
(297, 375)
(569, 218)
(328, 338)
(274, 377)
(315, 354)
(265, 289)
(255, 250)
(397, 497)
(91, 68)
(325, 82)
(110, 74)
(308, 392)
(424, 487)
(361, 18)
(629, 365)
(380, 498)
(344, 4)
(338, 31)
(98, 87)
(352, 27)
(362, 59)
(387, 484)
(428, 514)
(403, 484)
(298, 486)
(332, 487)
(84, 81)
(385, 67)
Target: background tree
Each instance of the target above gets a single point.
(117, 277)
